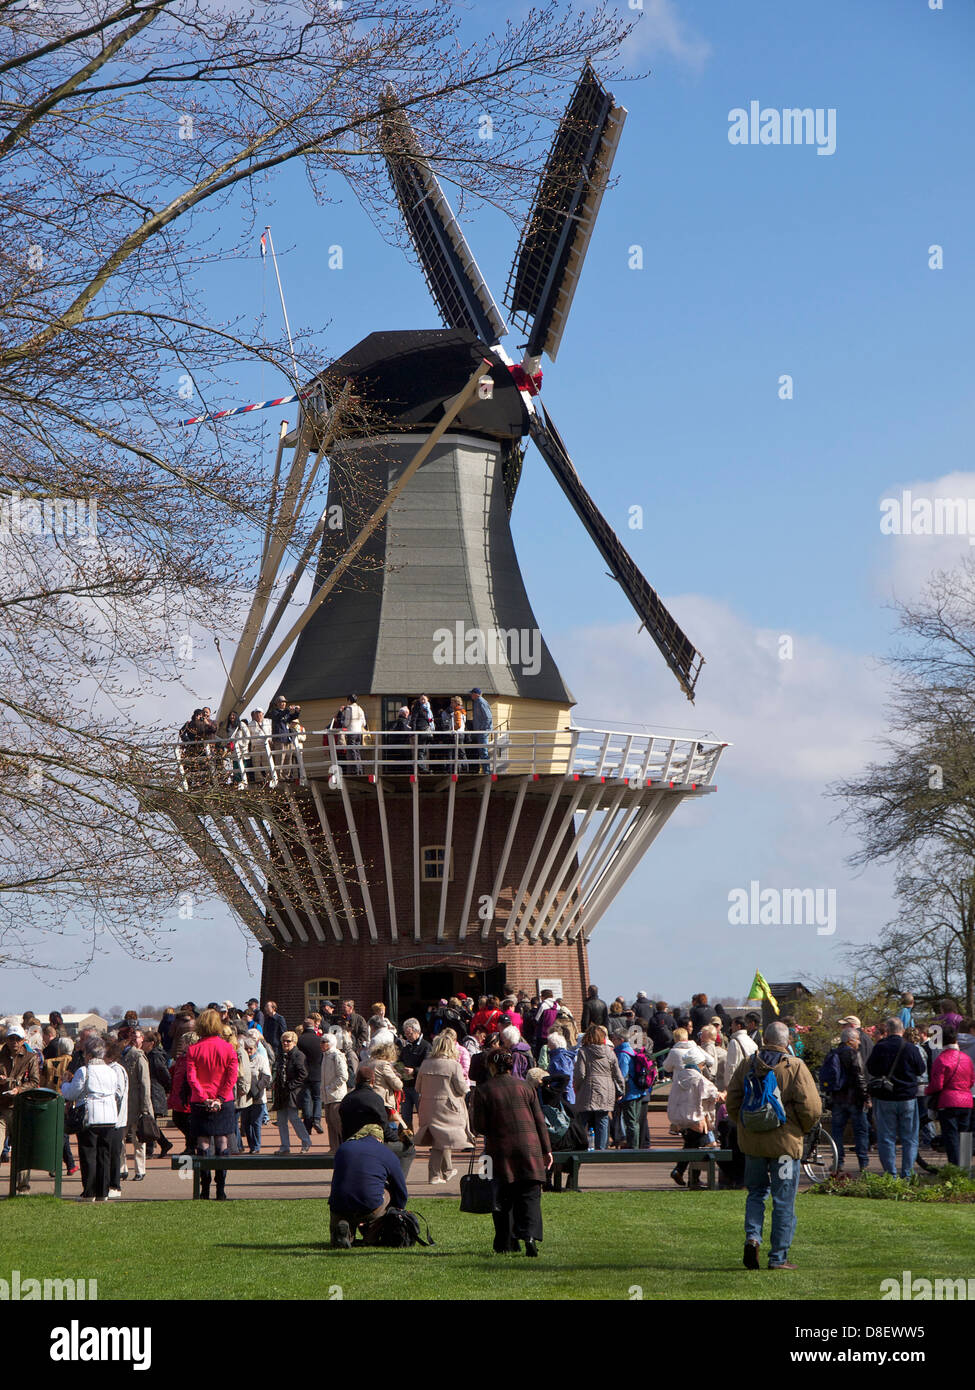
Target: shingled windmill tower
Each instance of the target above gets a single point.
(405, 877)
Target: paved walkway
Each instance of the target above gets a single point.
(162, 1183)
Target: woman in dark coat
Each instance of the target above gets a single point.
(289, 1090)
(158, 1087)
(507, 1113)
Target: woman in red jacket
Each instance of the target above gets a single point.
(179, 1090)
(488, 1015)
(211, 1072)
(952, 1078)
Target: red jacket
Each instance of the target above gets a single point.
(211, 1070)
(176, 1078)
(486, 1019)
(952, 1077)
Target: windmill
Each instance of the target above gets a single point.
(405, 869)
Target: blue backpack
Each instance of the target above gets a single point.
(761, 1108)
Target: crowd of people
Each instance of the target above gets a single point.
(270, 745)
(515, 1072)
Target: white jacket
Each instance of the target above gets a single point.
(335, 1076)
(687, 1051)
(99, 1088)
(688, 1104)
(740, 1045)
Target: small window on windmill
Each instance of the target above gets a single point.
(432, 858)
(317, 992)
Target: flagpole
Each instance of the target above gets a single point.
(284, 308)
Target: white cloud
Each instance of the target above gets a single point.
(808, 719)
(796, 726)
(661, 30)
(908, 560)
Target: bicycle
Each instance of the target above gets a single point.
(820, 1156)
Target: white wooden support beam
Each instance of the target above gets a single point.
(387, 859)
(224, 869)
(273, 874)
(611, 847)
(281, 530)
(506, 851)
(335, 862)
(551, 897)
(541, 878)
(622, 870)
(360, 866)
(601, 834)
(248, 859)
(323, 893)
(415, 784)
(553, 801)
(447, 852)
(475, 856)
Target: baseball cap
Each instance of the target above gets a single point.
(476, 690)
(851, 1021)
(15, 1031)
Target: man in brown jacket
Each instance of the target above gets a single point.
(19, 1071)
(772, 1154)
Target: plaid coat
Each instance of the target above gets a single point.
(507, 1113)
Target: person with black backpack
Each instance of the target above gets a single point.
(843, 1079)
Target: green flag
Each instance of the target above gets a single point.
(760, 990)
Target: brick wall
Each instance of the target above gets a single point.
(361, 967)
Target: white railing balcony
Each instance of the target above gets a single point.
(329, 755)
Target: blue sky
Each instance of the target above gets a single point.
(761, 515)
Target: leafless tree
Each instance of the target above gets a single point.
(135, 134)
(916, 806)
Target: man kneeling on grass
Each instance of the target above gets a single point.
(367, 1181)
(774, 1100)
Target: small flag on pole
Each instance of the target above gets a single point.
(263, 246)
(760, 990)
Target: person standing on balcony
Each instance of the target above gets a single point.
(254, 745)
(458, 723)
(482, 722)
(422, 722)
(355, 727)
(398, 749)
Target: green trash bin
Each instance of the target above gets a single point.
(37, 1135)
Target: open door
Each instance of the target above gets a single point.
(495, 980)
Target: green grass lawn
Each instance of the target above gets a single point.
(597, 1246)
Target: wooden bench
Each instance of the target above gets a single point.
(208, 1163)
(570, 1161)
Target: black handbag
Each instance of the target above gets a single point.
(147, 1130)
(478, 1195)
